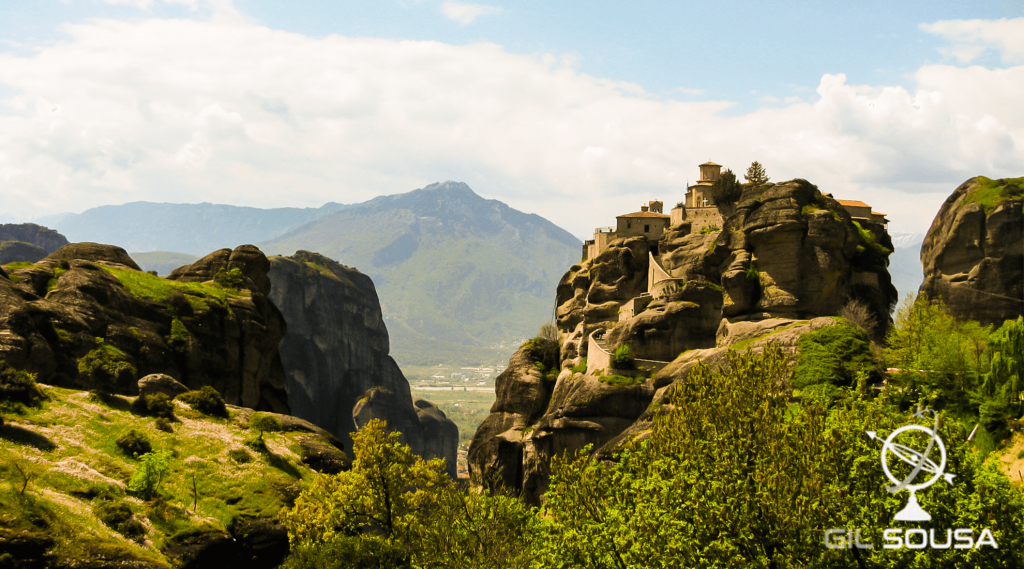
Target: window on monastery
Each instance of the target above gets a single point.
(647, 229)
(629, 225)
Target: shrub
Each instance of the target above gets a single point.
(858, 314)
(544, 351)
(239, 455)
(162, 424)
(753, 274)
(548, 331)
(229, 279)
(263, 423)
(153, 467)
(833, 355)
(106, 367)
(726, 189)
(118, 516)
(623, 380)
(179, 333)
(710, 229)
(134, 443)
(154, 405)
(18, 386)
(623, 358)
(581, 368)
(206, 400)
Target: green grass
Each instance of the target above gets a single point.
(809, 209)
(17, 265)
(710, 229)
(990, 193)
(199, 296)
(622, 380)
(59, 505)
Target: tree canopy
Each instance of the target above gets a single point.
(756, 174)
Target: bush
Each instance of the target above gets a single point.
(162, 424)
(833, 355)
(548, 331)
(858, 314)
(753, 274)
(623, 358)
(239, 455)
(229, 279)
(709, 229)
(105, 367)
(582, 367)
(263, 423)
(153, 405)
(546, 352)
(206, 400)
(179, 334)
(134, 443)
(18, 386)
(153, 467)
(116, 515)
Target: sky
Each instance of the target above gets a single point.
(575, 110)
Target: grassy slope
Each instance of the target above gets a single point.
(69, 444)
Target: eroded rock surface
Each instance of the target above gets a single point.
(973, 255)
(48, 239)
(72, 303)
(339, 372)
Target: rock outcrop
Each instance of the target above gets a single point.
(973, 255)
(339, 374)
(20, 252)
(48, 239)
(85, 317)
(787, 258)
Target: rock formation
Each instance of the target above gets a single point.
(85, 317)
(338, 371)
(48, 239)
(19, 251)
(786, 258)
(973, 255)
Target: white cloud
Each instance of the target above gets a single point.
(231, 112)
(466, 13)
(972, 38)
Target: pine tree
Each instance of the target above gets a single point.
(756, 174)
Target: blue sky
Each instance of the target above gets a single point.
(576, 111)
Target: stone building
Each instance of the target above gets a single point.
(861, 211)
(649, 222)
(699, 194)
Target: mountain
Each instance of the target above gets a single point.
(195, 229)
(905, 263)
(460, 278)
(163, 262)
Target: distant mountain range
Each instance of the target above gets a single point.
(461, 279)
(196, 229)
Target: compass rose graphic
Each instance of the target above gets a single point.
(920, 462)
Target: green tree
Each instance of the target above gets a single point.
(153, 468)
(756, 174)
(726, 190)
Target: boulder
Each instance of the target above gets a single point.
(19, 251)
(93, 252)
(973, 255)
(161, 383)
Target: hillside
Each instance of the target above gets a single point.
(163, 262)
(195, 229)
(77, 475)
(461, 278)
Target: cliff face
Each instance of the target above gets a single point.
(339, 374)
(973, 255)
(86, 317)
(48, 239)
(786, 258)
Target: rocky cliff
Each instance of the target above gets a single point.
(786, 258)
(86, 317)
(48, 239)
(339, 374)
(973, 255)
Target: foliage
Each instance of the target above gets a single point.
(153, 405)
(134, 443)
(709, 229)
(548, 331)
(733, 475)
(179, 333)
(162, 424)
(936, 353)
(118, 516)
(206, 400)
(153, 467)
(229, 279)
(726, 189)
(105, 367)
(1002, 389)
(858, 314)
(580, 367)
(753, 274)
(263, 423)
(18, 386)
(756, 174)
(834, 355)
(868, 241)
(622, 380)
(990, 193)
(199, 296)
(623, 358)
(809, 209)
(544, 352)
(240, 455)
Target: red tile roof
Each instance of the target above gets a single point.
(853, 203)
